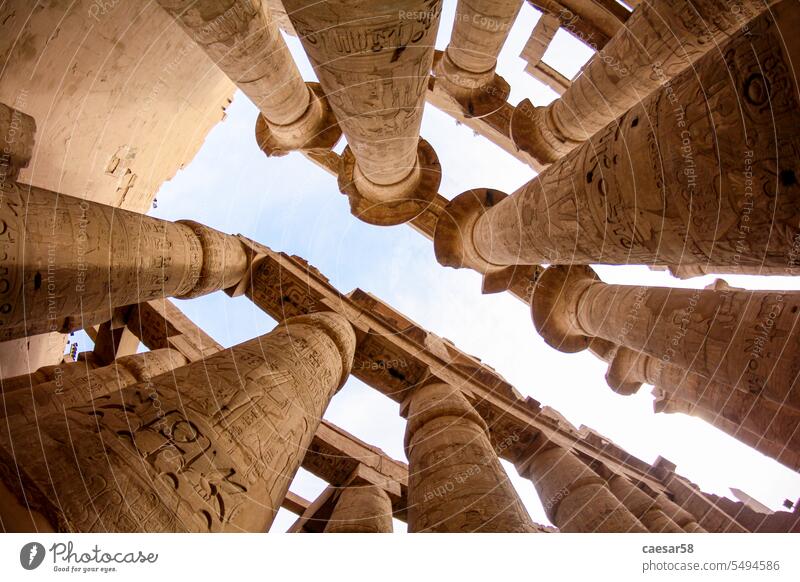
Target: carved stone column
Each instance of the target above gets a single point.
(658, 41)
(243, 40)
(699, 330)
(768, 426)
(66, 263)
(681, 178)
(361, 509)
(455, 480)
(65, 370)
(646, 509)
(466, 70)
(679, 515)
(17, 138)
(209, 447)
(373, 59)
(575, 498)
(792, 269)
(77, 385)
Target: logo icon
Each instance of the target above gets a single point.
(31, 555)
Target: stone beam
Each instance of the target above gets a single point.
(592, 22)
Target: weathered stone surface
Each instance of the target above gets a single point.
(455, 480)
(211, 446)
(702, 171)
(68, 262)
(646, 509)
(77, 385)
(575, 498)
(361, 509)
(660, 39)
(243, 40)
(374, 70)
(466, 70)
(17, 134)
(741, 338)
(121, 99)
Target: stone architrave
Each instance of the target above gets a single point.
(68, 263)
(455, 480)
(373, 59)
(76, 385)
(209, 447)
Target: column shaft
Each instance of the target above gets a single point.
(78, 385)
(374, 69)
(646, 509)
(745, 339)
(682, 178)
(659, 40)
(575, 498)
(211, 446)
(69, 370)
(241, 37)
(455, 480)
(67, 263)
(361, 509)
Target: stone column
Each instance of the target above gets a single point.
(77, 385)
(455, 480)
(67, 263)
(679, 515)
(17, 136)
(373, 59)
(17, 139)
(209, 447)
(361, 509)
(681, 178)
(659, 40)
(466, 70)
(646, 509)
(792, 269)
(744, 339)
(243, 40)
(769, 427)
(575, 498)
(65, 370)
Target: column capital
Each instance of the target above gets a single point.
(389, 205)
(555, 303)
(453, 241)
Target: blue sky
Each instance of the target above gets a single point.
(291, 205)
